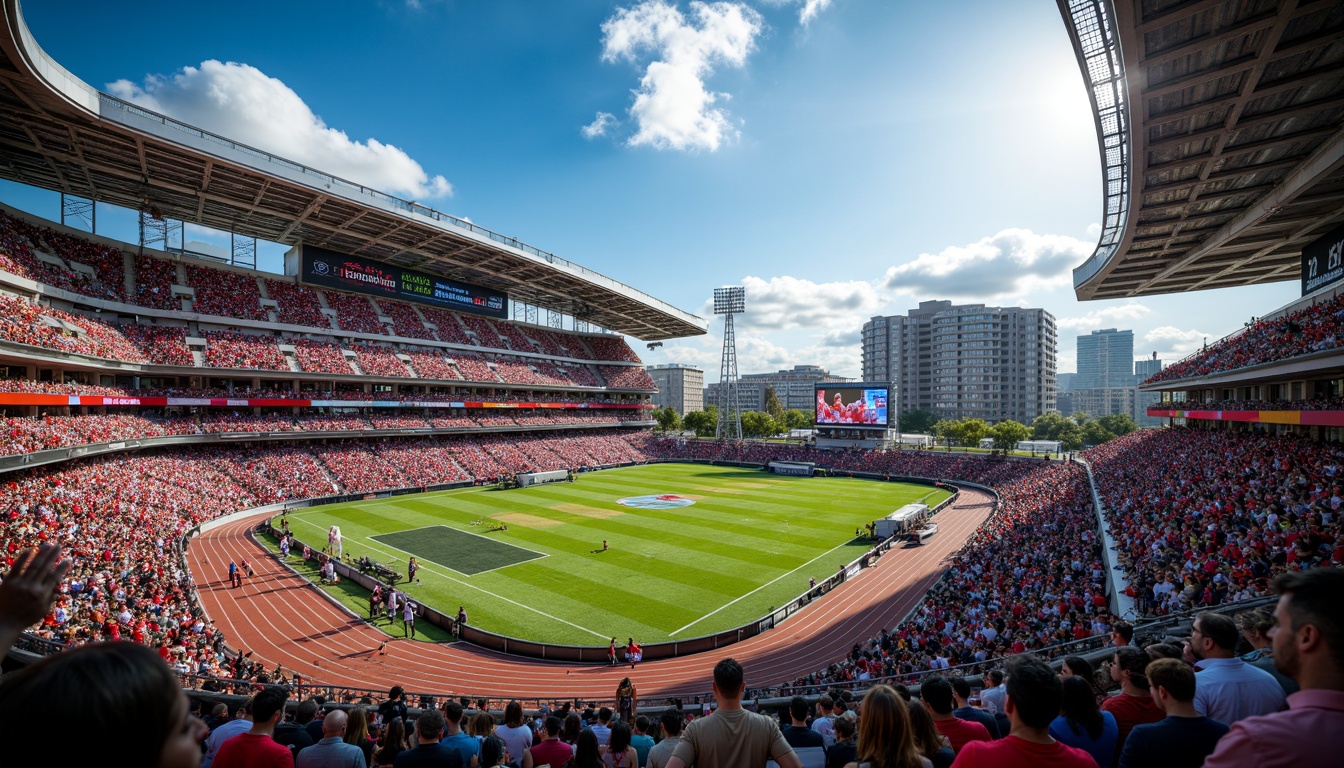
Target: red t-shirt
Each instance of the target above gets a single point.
(1013, 752)
(1130, 711)
(247, 750)
(552, 752)
(960, 732)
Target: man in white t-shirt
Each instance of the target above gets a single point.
(823, 722)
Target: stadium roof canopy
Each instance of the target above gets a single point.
(59, 133)
(1221, 125)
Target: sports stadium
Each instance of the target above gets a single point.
(415, 386)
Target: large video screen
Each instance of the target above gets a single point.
(330, 269)
(852, 406)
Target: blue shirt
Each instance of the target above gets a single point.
(465, 746)
(1228, 690)
(1102, 748)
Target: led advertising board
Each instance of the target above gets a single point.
(330, 269)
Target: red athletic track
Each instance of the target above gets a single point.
(282, 619)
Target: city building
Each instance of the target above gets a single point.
(1143, 369)
(1105, 360)
(965, 361)
(679, 386)
(794, 388)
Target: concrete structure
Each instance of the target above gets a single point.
(1103, 401)
(679, 386)
(1142, 370)
(965, 361)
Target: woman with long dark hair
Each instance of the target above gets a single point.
(572, 728)
(394, 743)
(1080, 724)
(586, 751)
(928, 740)
(1077, 666)
(885, 737)
(515, 733)
(617, 753)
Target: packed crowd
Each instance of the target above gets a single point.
(377, 360)
(354, 312)
(296, 304)
(231, 349)
(632, 377)
(320, 356)
(224, 293)
(103, 274)
(1316, 328)
(1206, 532)
(23, 435)
(483, 330)
(154, 281)
(1320, 403)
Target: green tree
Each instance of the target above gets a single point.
(1007, 434)
(772, 405)
(1095, 434)
(757, 424)
(668, 419)
(1053, 426)
(972, 431)
(945, 428)
(918, 421)
(796, 419)
(1118, 424)
(703, 422)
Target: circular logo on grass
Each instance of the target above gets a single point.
(660, 501)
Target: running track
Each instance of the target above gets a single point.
(282, 619)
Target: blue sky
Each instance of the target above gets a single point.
(840, 158)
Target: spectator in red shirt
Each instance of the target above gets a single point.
(1034, 698)
(1134, 705)
(256, 748)
(937, 694)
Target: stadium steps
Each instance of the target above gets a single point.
(128, 271)
(198, 357)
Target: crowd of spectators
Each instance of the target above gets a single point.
(296, 304)
(611, 348)
(224, 293)
(483, 329)
(377, 360)
(1318, 403)
(231, 349)
(517, 341)
(405, 321)
(1215, 531)
(154, 281)
(354, 312)
(320, 356)
(160, 344)
(429, 364)
(446, 325)
(108, 265)
(1316, 328)
(474, 367)
(626, 377)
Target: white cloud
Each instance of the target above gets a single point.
(242, 103)
(1172, 343)
(787, 303)
(1012, 262)
(673, 108)
(810, 10)
(604, 122)
(1106, 317)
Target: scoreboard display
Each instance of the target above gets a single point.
(862, 405)
(330, 269)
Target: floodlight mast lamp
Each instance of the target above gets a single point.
(727, 302)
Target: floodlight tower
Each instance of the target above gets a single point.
(727, 302)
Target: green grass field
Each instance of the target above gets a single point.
(748, 544)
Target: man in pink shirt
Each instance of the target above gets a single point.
(1308, 638)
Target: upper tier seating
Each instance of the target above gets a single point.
(224, 293)
(298, 304)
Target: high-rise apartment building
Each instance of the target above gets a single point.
(1105, 360)
(680, 386)
(965, 361)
